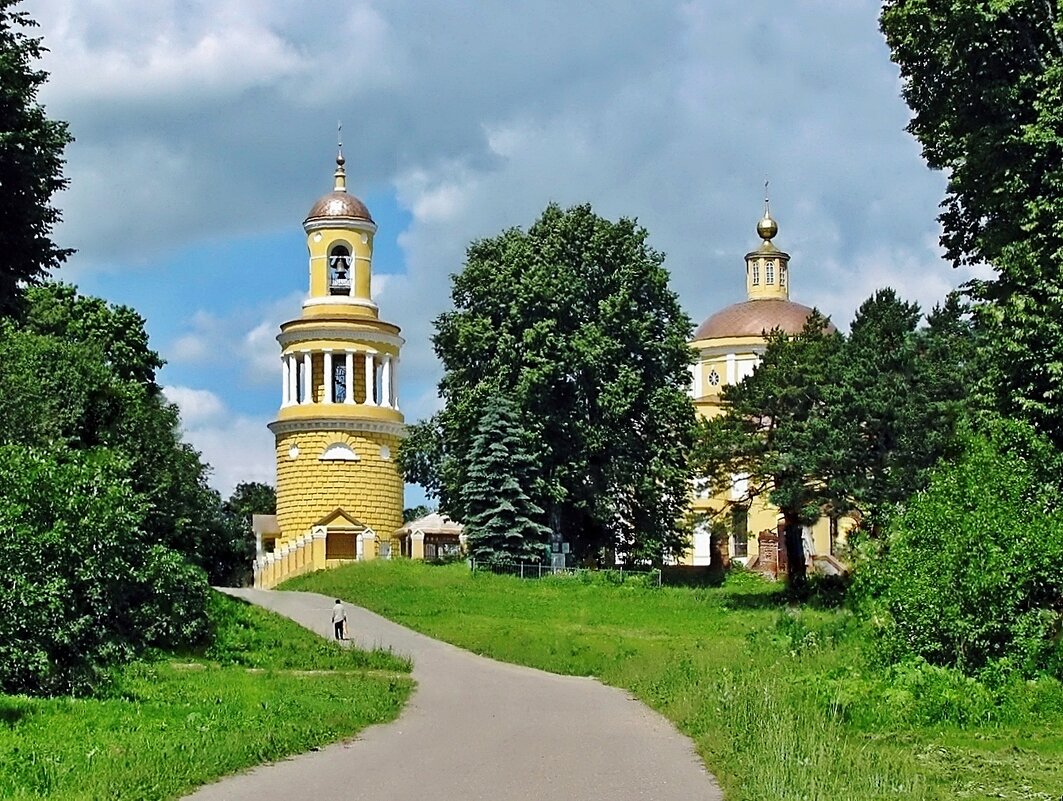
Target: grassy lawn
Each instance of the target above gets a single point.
(267, 689)
(782, 703)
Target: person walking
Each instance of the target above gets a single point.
(339, 620)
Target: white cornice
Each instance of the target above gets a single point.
(339, 300)
(339, 334)
(740, 349)
(339, 224)
(337, 424)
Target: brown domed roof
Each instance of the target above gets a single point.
(339, 204)
(753, 317)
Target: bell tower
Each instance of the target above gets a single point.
(339, 490)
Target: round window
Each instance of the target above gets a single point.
(714, 378)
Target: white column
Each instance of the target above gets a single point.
(348, 396)
(385, 381)
(395, 384)
(308, 378)
(293, 380)
(327, 392)
(285, 384)
(370, 369)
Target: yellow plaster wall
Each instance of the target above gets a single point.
(762, 514)
(360, 242)
(308, 489)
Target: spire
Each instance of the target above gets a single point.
(341, 173)
(767, 228)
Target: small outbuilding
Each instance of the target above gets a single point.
(433, 536)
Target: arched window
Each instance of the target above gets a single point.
(756, 274)
(769, 272)
(339, 270)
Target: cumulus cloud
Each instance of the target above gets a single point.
(198, 406)
(233, 445)
(199, 121)
(247, 338)
(237, 451)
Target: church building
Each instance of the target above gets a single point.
(728, 346)
(339, 490)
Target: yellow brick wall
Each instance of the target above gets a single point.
(308, 489)
(317, 370)
(359, 378)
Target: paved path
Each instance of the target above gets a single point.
(479, 729)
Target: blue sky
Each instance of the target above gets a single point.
(206, 130)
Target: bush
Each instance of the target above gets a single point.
(81, 590)
(174, 612)
(970, 574)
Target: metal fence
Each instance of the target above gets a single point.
(669, 575)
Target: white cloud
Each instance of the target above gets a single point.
(204, 120)
(237, 447)
(262, 353)
(209, 339)
(198, 406)
(191, 348)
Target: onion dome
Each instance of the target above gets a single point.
(339, 204)
(767, 228)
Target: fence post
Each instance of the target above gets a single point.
(522, 570)
(621, 574)
(540, 570)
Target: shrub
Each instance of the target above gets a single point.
(970, 574)
(81, 589)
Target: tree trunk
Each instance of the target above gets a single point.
(795, 551)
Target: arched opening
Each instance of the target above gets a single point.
(339, 270)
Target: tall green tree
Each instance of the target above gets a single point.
(903, 389)
(82, 376)
(116, 331)
(574, 321)
(31, 161)
(984, 79)
(500, 518)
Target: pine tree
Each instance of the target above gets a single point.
(501, 523)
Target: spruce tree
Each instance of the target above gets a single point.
(501, 523)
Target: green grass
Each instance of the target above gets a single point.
(782, 703)
(267, 689)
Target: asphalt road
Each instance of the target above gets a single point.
(476, 729)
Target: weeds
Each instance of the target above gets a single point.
(782, 701)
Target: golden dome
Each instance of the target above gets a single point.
(338, 203)
(753, 318)
(767, 228)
